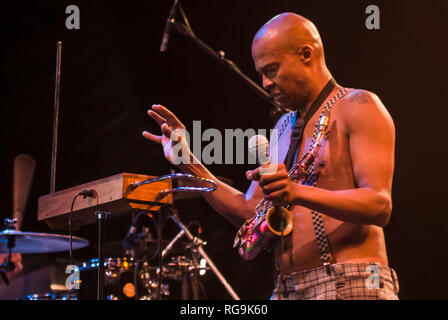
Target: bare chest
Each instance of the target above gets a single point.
(332, 164)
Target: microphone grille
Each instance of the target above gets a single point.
(259, 146)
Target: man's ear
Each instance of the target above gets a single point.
(306, 53)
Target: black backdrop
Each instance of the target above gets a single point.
(112, 71)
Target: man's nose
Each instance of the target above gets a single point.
(267, 83)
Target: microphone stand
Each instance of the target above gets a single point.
(186, 30)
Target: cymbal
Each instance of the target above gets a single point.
(33, 242)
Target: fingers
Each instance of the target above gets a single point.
(156, 117)
(166, 130)
(171, 119)
(274, 186)
(152, 137)
(270, 178)
(278, 197)
(265, 175)
(253, 175)
(166, 120)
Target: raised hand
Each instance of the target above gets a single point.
(173, 134)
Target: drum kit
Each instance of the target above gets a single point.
(129, 277)
(132, 276)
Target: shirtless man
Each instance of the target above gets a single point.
(354, 167)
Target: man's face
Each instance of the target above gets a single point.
(283, 73)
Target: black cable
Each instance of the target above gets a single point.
(84, 193)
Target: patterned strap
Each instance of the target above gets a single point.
(318, 222)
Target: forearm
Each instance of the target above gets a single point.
(226, 200)
(360, 206)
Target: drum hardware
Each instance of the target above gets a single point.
(151, 192)
(152, 286)
(162, 194)
(101, 217)
(8, 265)
(197, 244)
(138, 245)
(125, 278)
(15, 241)
(138, 273)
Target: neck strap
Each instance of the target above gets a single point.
(300, 124)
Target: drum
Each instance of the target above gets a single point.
(120, 280)
(178, 268)
(149, 280)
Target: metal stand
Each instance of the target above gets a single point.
(186, 30)
(100, 284)
(198, 243)
(195, 276)
(8, 266)
(159, 245)
(57, 89)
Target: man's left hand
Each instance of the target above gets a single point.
(275, 183)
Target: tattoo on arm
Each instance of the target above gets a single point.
(360, 97)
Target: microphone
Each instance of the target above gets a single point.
(259, 147)
(166, 32)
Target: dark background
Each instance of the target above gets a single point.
(112, 71)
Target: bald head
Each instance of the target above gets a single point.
(289, 32)
(288, 54)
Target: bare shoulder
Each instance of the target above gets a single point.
(360, 108)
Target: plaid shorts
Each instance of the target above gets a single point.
(348, 281)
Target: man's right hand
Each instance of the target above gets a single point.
(173, 133)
